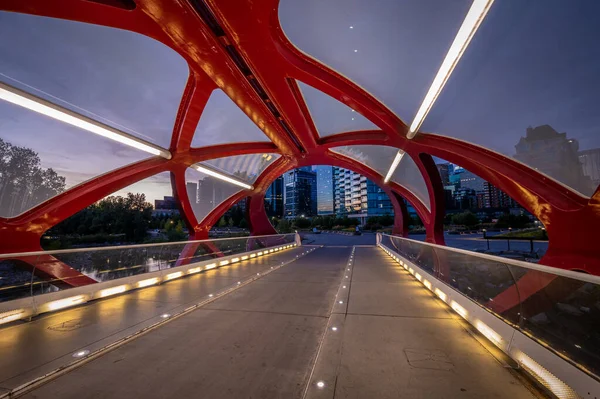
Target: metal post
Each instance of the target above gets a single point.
(531, 245)
(508, 241)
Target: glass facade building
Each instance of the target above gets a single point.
(274, 198)
(324, 189)
(355, 196)
(300, 193)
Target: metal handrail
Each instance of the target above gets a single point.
(113, 247)
(533, 266)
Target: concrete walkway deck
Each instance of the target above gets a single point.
(273, 338)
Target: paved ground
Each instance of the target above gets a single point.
(273, 338)
(29, 350)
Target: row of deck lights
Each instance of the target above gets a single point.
(321, 384)
(538, 371)
(59, 304)
(493, 336)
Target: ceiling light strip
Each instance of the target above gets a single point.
(395, 164)
(474, 17)
(33, 103)
(210, 172)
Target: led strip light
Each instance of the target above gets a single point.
(33, 103)
(210, 172)
(467, 30)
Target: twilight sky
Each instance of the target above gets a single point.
(532, 62)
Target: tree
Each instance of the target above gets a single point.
(23, 182)
(129, 216)
(177, 233)
(514, 221)
(302, 223)
(222, 222)
(284, 227)
(466, 219)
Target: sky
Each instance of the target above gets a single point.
(531, 63)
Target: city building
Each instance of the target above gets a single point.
(471, 181)
(206, 194)
(443, 169)
(552, 153)
(274, 199)
(590, 162)
(192, 192)
(325, 204)
(355, 196)
(496, 198)
(166, 203)
(300, 193)
(378, 202)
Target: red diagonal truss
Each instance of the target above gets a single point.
(253, 29)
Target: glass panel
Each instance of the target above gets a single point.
(331, 116)
(377, 157)
(17, 281)
(407, 174)
(233, 223)
(529, 90)
(564, 313)
(157, 190)
(559, 311)
(41, 157)
(104, 264)
(131, 215)
(246, 168)
(206, 192)
(393, 49)
(380, 158)
(120, 78)
(223, 122)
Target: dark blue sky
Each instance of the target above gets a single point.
(532, 62)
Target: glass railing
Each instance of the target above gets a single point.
(558, 308)
(34, 273)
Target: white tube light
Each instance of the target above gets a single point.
(220, 176)
(41, 106)
(395, 164)
(474, 17)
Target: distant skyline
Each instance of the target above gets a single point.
(531, 63)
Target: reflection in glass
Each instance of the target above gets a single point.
(563, 313)
(206, 192)
(41, 157)
(105, 264)
(246, 168)
(518, 91)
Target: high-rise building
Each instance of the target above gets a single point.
(274, 198)
(471, 181)
(378, 202)
(493, 197)
(443, 169)
(166, 203)
(324, 190)
(300, 193)
(355, 196)
(192, 192)
(590, 162)
(552, 153)
(209, 192)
